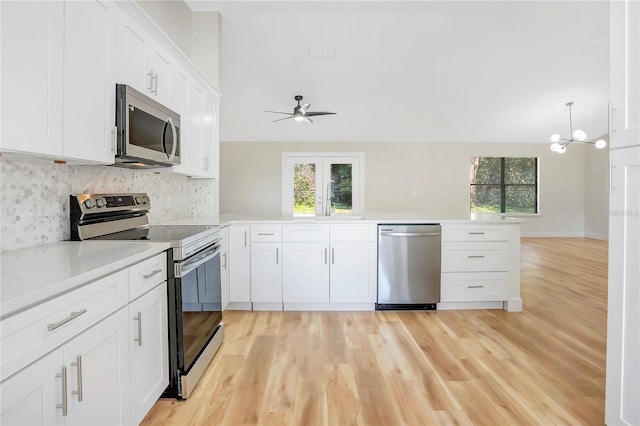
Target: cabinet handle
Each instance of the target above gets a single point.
(475, 257)
(325, 256)
(155, 272)
(155, 79)
(476, 233)
(78, 364)
(266, 233)
(72, 316)
(245, 238)
(333, 256)
(64, 404)
(475, 286)
(139, 319)
(225, 260)
(150, 74)
(277, 255)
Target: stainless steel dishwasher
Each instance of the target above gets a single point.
(408, 266)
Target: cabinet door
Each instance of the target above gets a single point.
(159, 65)
(30, 396)
(131, 52)
(97, 362)
(353, 269)
(193, 144)
(209, 163)
(224, 266)
(266, 272)
(239, 265)
(32, 46)
(89, 80)
(148, 345)
(179, 102)
(305, 276)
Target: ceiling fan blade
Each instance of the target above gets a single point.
(280, 119)
(304, 108)
(307, 119)
(278, 112)
(312, 113)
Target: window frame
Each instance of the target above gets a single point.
(319, 158)
(503, 188)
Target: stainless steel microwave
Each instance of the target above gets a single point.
(148, 133)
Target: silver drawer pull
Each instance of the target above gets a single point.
(78, 364)
(155, 272)
(64, 405)
(139, 319)
(72, 316)
(266, 233)
(476, 233)
(475, 257)
(475, 286)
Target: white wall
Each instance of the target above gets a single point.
(439, 173)
(596, 203)
(34, 205)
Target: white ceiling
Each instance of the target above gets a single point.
(420, 71)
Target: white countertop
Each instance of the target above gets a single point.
(370, 218)
(32, 275)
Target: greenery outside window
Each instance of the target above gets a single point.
(504, 185)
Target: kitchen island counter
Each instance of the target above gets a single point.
(35, 274)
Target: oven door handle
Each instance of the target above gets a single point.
(198, 260)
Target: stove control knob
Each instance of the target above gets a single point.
(101, 202)
(139, 200)
(89, 203)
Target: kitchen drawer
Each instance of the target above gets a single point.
(473, 287)
(266, 233)
(353, 233)
(146, 275)
(468, 257)
(475, 233)
(26, 336)
(305, 233)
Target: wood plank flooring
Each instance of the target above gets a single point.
(543, 366)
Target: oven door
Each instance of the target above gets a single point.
(199, 278)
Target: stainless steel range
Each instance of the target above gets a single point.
(194, 298)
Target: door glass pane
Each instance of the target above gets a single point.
(304, 189)
(341, 189)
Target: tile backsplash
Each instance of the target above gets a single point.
(35, 197)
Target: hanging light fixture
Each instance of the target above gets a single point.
(576, 136)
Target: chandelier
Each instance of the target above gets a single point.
(559, 144)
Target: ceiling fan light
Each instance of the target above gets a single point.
(579, 135)
(555, 147)
(601, 143)
(555, 138)
(299, 117)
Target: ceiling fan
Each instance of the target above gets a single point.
(301, 112)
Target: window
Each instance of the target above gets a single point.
(504, 185)
(322, 184)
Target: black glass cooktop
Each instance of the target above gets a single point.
(177, 235)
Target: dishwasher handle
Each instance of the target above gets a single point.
(409, 234)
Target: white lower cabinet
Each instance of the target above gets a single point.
(148, 350)
(305, 272)
(239, 258)
(84, 380)
(353, 274)
(266, 273)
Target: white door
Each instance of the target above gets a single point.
(148, 343)
(353, 275)
(322, 184)
(266, 272)
(32, 40)
(305, 276)
(89, 80)
(623, 322)
(30, 397)
(239, 258)
(97, 362)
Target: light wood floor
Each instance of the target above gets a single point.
(543, 366)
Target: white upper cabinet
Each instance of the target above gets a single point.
(58, 82)
(89, 80)
(141, 61)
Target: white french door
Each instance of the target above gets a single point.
(322, 184)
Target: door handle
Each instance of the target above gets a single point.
(64, 405)
(78, 364)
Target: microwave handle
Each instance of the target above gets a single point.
(175, 139)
